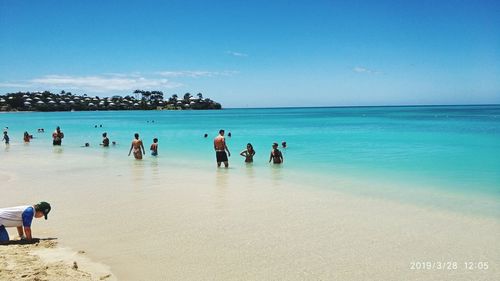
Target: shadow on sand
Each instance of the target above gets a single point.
(25, 242)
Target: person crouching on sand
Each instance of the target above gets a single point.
(154, 147)
(21, 217)
(276, 155)
(138, 147)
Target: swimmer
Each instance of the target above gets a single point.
(5, 137)
(283, 144)
(154, 147)
(248, 153)
(220, 148)
(276, 155)
(57, 136)
(26, 137)
(105, 140)
(137, 146)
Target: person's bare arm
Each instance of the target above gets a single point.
(131, 146)
(227, 149)
(270, 157)
(27, 231)
(20, 231)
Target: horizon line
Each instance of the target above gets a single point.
(347, 106)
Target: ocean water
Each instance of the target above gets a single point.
(363, 191)
(455, 149)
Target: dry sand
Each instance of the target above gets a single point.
(44, 261)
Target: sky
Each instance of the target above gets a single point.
(257, 53)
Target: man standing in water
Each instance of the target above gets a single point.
(105, 139)
(138, 147)
(5, 137)
(21, 218)
(57, 136)
(220, 149)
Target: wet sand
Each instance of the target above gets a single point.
(158, 219)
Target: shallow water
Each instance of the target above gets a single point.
(452, 148)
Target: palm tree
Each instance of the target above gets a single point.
(136, 93)
(146, 95)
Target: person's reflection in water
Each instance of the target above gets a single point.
(58, 150)
(250, 172)
(154, 167)
(221, 185)
(276, 174)
(137, 172)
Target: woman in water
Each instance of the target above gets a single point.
(26, 137)
(276, 155)
(248, 153)
(138, 147)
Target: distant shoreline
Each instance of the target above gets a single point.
(279, 107)
(139, 100)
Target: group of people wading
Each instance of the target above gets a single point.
(221, 150)
(137, 147)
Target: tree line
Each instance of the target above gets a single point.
(138, 100)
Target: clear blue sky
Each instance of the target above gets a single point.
(257, 53)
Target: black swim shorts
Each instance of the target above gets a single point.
(221, 156)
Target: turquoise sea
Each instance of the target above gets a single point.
(455, 149)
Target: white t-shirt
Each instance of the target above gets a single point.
(17, 216)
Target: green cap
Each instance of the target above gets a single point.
(44, 207)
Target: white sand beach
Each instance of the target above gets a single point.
(363, 140)
(159, 219)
